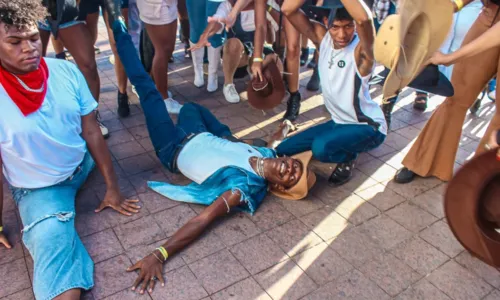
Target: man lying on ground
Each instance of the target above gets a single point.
(227, 175)
(49, 140)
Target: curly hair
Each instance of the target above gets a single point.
(21, 13)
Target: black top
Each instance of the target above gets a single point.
(497, 2)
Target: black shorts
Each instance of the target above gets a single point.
(88, 7)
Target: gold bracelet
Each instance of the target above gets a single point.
(460, 4)
(257, 59)
(163, 252)
(154, 254)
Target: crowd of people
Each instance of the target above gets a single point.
(51, 136)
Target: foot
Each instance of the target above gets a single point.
(187, 52)
(199, 81)
(342, 173)
(104, 130)
(293, 107)
(212, 83)
(123, 106)
(313, 84)
(404, 175)
(421, 101)
(173, 107)
(304, 56)
(61, 55)
(387, 110)
(230, 93)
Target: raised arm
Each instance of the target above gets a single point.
(486, 41)
(3, 238)
(150, 267)
(214, 26)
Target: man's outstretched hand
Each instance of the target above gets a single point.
(115, 200)
(4, 241)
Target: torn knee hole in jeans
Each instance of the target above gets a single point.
(63, 216)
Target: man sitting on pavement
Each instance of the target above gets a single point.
(346, 63)
(227, 175)
(49, 140)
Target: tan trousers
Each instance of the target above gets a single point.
(434, 151)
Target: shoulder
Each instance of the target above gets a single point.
(60, 66)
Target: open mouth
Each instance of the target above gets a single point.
(282, 168)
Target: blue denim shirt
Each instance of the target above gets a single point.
(253, 188)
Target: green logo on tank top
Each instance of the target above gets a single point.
(341, 64)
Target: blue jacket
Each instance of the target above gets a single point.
(253, 188)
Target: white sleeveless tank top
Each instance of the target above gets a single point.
(346, 93)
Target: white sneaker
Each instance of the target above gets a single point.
(169, 93)
(173, 107)
(112, 59)
(134, 91)
(230, 93)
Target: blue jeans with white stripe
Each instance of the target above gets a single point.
(333, 143)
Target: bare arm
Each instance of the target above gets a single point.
(100, 153)
(150, 266)
(486, 41)
(3, 238)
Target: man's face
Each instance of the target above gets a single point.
(342, 32)
(20, 50)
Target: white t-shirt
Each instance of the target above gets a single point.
(247, 17)
(205, 154)
(45, 147)
(346, 93)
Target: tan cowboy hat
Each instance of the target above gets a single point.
(306, 181)
(406, 41)
(268, 93)
(472, 207)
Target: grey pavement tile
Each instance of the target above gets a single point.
(411, 216)
(102, 245)
(270, 214)
(110, 277)
(431, 201)
(488, 273)
(181, 284)
(174, 218)
(155, 202)
(440, 236)
(203, 246)
(235, 228)
(381, 197)
(142, 231)
(294, 237)
(495, 295)
(22, 295)
(128, 295)
(422, 290)
(385, 232)
(244, 290)
(325, 223)
(14, 270)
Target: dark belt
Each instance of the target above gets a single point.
(179, 148)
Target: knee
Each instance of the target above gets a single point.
(233, 46)
(290, 7)
(88, 67)
(56, 228)
(320, 150)
(293, 49)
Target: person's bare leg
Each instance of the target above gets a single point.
(163, 39)
(292, 56)
(92, 21)
(121, 76)
(73, 294)
(78, 41)
(233, 52)
(291, 9)
(45, 37)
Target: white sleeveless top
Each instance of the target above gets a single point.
(346, 93)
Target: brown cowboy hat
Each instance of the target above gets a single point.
(269, 92)
(306, 181)
(406, 41)
(472, 207)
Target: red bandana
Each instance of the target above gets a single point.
(27, 101)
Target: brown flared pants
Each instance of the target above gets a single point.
(434, 151)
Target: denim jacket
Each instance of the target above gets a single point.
(253, 188)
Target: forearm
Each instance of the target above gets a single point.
(358, 10)
(239, 6)
(486, 41)
(260, 27)
(99, 151)
(212, 29)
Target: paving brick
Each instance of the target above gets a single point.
(420, 255)
(173, 219)
(294, 237)
(440, 236)
(13, 277)
(142, 231)
(235, 228)
(110, 277)
(181, 284)
(422, 290)
(411, 216)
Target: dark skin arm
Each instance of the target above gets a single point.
(100, 153)
(212, 28)
(150, 266)
(3, 238)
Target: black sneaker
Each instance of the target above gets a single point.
(342, 173)
(293, 107)
(61, 55)
(123, 106)
(387, 110)
(313, 84)
(304, 56)
(404, 175)
(187, 52)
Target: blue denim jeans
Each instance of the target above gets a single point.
(333, 143)
(61, 262)
(165, 136)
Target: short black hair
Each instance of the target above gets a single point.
(342, 15)
(21, 13)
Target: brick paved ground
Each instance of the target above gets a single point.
(370, 239)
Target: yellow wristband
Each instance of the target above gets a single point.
(1, 228)
(460, 4)
(258, 59)
(163, 252)
(270, 8)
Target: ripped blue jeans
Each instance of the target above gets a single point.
(61, 262)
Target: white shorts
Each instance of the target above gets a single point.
(157, 12)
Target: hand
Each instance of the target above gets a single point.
(149, 267)
(439, 58)
(4, 241)
(257, 70)
(229, 20)
(116, 201)
(202, 42)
